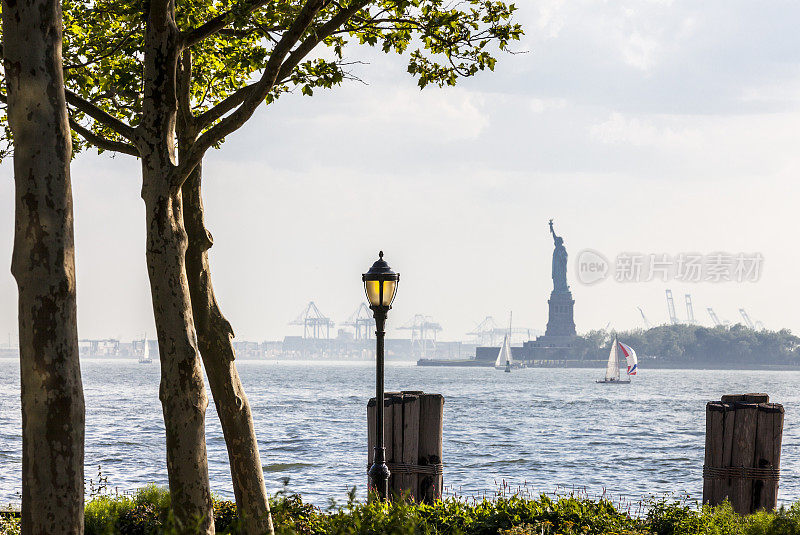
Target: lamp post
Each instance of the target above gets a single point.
(380, 285)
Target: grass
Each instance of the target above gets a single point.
(147, 512)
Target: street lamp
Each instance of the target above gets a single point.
(380, 285)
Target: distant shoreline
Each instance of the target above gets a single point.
(645, 365)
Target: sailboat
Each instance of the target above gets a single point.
(504, 358)
(144, 358)
(612, 369)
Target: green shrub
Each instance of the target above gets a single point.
(9, 525)
(148, 513)
(145, 513)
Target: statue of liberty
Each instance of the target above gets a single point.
(559, 263)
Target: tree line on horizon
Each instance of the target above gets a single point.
(684, 343)
(164, 82)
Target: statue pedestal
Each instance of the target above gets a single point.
(553, 349)
(561, 320)
(558, 343)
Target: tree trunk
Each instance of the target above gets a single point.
(182, 392)
(214, 338)
(43, 265)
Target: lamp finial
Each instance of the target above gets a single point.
(380, 255)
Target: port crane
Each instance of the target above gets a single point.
(714, 317)
(689, 310)
(644, 318)
(673, 318)
(423, 335)
(314, 322)
(362, 322)
(746, 318)
(488, 334)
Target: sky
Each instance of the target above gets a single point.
(647, 127)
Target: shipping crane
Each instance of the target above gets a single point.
(689, 309)
(644, 318)
(488, 334)
(714, 317)
(746, 318)
(362, 322)
(673, 318)
(314, 322)
(423, 335)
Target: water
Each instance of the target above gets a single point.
(534, 428)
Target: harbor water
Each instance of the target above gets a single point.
(534, 430)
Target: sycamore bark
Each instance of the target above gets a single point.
(182, 392)
(215, 335)
(43, 265)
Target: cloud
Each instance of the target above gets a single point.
(438, 115)
(640, 50)
(619, 129)
(541, 105)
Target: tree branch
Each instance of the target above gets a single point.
(325, 31)
(227, 104)
(259, 92)
(94, 139)
(184, 93)
(101, 142)
(100, 116)
(238, 97)
(195, 35)
(103, 56)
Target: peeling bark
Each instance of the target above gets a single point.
(182, 392)
(215, 340)
(43, 265)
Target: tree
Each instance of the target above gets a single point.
(43, 265)
(145, 77)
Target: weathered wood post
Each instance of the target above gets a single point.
(431, 422)
(413, 425)
(743, 448)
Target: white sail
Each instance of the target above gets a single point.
(630, 357)
(612, 370)
(504, 356)
(144, 358)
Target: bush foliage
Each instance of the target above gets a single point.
(736, 345)
(147, 512)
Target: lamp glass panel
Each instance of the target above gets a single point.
(389, 288)
(373, 288)
(373, 292)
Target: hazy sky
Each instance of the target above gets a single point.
(650, 127)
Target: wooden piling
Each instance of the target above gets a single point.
(430, 445)
(396, 480)
(713, 455)
(410, 482)
(744, 447)
(724, 485)
(413, 424)
(742, 457)
(768, 454)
